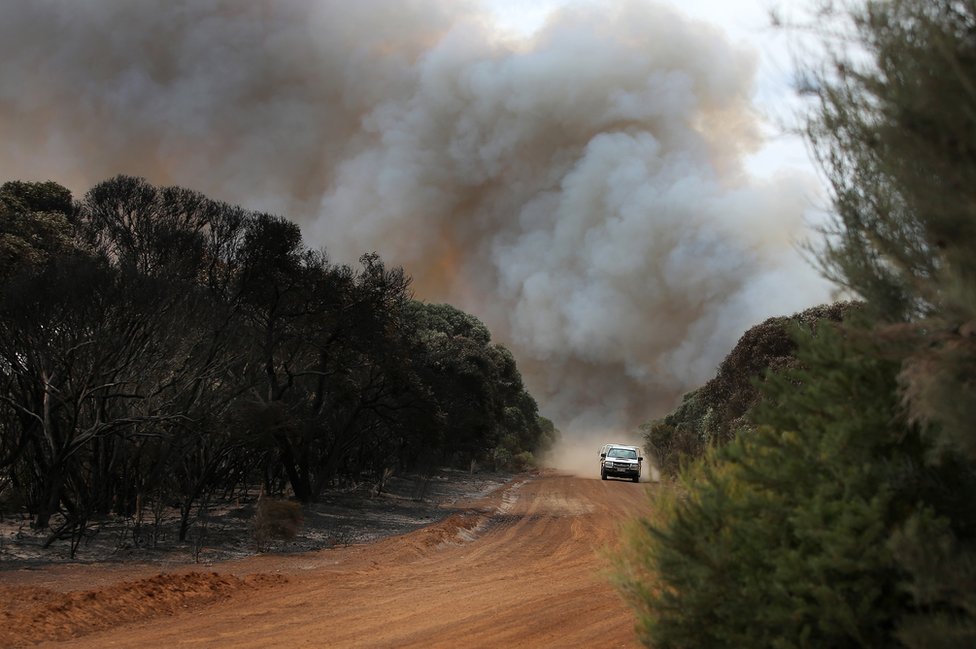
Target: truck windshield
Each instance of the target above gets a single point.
(628, 453)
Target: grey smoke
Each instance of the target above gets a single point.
(582, 191)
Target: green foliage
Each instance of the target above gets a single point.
(712, 414)
(34, 225)
(845, 517)
(896, 135)
(43, 197)
(781, 538)
(681, 436)
(942, 563)
(487, 414)
(446, 320)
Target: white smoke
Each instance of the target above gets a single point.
(582, 190)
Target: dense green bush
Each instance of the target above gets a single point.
(845, 517)
(712, 414)
(780, 537)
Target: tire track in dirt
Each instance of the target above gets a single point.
(521, 567)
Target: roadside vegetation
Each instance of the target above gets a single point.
(715, 413)
(161, 349)
(832, 504)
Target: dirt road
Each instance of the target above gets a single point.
(520, 568)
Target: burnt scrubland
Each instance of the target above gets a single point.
(827, 476)
(159, 350)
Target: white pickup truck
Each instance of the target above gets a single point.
(621, 461)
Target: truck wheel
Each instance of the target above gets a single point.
(636, 478)
(603, 475)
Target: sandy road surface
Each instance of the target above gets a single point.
(520, 568)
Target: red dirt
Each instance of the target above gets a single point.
(521, 567)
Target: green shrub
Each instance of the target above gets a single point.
(671, 444)
(780, 539)
(712, 414)
(846, 518)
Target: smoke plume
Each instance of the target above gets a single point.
(580, 190)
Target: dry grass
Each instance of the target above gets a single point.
(276, 519)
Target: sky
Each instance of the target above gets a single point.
(603, 183)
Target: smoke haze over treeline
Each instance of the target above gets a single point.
(582, 191)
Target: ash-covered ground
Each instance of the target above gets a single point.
(226, 530)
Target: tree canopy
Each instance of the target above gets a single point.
(157, 347)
